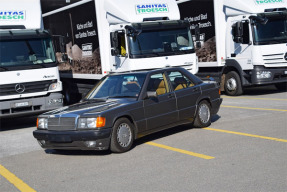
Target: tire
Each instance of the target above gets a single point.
(232, 84)
(281, 86)
(122, 136)
(203, 115)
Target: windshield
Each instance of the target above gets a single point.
(273, 32)
(154, 43)
(126, 85)
(26, 52)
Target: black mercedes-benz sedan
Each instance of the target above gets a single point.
(123, 107)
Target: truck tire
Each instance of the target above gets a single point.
(281, 86)
(203, 115)
(232, 84)
(67, 95)
(122, 136)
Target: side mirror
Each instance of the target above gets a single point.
(114, 44)
(237, 32)
(197, 36)
(151, 94)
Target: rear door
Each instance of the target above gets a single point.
(160, 111)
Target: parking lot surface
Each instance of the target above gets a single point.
(244, 149)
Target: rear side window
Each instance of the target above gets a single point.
(179, 81)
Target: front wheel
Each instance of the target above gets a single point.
(232, 84)
(203, 116)
(122, 136)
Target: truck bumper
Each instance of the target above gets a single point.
(83, 140)
(261, 75)
(30, 106)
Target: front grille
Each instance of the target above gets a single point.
(61, 124)
(30, 87)
(274, 59)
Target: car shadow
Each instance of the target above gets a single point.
(77, 152)
(170, 131)
(8, 124)
(260, 90)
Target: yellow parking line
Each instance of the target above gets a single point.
(246, 134)
(180, 150)
(15, 180)
(270, 99)
(264, 109)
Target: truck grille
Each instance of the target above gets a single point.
(61, 124)
(274, 59)
(23, 88)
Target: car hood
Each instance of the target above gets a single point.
(88, 107)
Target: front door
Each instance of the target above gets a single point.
(160, 111)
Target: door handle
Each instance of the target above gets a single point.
(170, 96)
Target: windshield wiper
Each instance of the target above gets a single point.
(122, 96)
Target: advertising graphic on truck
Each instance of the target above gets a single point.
(29, 77)
(107, 36)
(239, 43)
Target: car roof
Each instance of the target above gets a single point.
(147, 71)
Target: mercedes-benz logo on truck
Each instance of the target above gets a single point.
(285, 56)
(20, 88)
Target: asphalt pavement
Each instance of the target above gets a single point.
(244, 149)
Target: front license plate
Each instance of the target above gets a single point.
(60, 138)
(23, 104)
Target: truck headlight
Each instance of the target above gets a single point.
(42, 123)
(263, 74)
(54, 86)
(91, 123)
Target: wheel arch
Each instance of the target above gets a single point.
(129, 117)
(233, 65)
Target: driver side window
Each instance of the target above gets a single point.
(158, 84)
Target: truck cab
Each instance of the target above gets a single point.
(29, 76)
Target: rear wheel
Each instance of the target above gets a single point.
(122, 136)
(203, 116)
(232, 84)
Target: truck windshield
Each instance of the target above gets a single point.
(273, 32)
(166, 42)
(26, 52)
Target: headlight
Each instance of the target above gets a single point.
(53, 86)
(91, 123)
(42, 123)
(263, 74)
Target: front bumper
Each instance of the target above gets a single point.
(30, 106)
(277, 75)
(83, 140)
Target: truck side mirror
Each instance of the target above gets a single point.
(114, 44)
(237, 32)
(197, 36)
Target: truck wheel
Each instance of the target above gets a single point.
(203, 116)
(232, 84)
(122, 136)
(281, 86)
(67, 96)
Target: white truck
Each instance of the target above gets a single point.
(29, 76)
(107, 36)
(240, 43)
